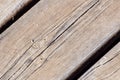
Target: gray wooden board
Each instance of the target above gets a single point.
(55, 37)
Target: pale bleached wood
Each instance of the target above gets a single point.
(39, 47)
(35, 30)
(107, 68)
(83, 41)
(8, 9)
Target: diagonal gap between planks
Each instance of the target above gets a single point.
(66, 30)
(95, 57)
(56, 37)
(18, 14)
(61, 33)
(68, 27)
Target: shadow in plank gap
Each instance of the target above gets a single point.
(95, 57)
(17, 15)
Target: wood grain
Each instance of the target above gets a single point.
(55, 37)
(30, 33)
(107, 68)
(9, 8)
(84, 41)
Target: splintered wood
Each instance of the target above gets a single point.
(55, 37)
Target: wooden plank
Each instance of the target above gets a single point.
(107, 68)
(8, 9)
(84, 40)
(57, 39)
(30, 33)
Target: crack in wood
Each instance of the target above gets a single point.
(54, 39)
(112, 58)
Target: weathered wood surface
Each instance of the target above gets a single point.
(107, 68)
(8, 9)
(55, 37)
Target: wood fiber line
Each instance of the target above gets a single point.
(53, 50)
(107, 68)
(95, 57)
(74, 31)
(27, 48)
(60, 62)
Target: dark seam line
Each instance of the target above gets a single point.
(95, 57)
(20, 13)
(63, 32)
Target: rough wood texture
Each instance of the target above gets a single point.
(57, 39)
(107, 68)
(8, 9)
